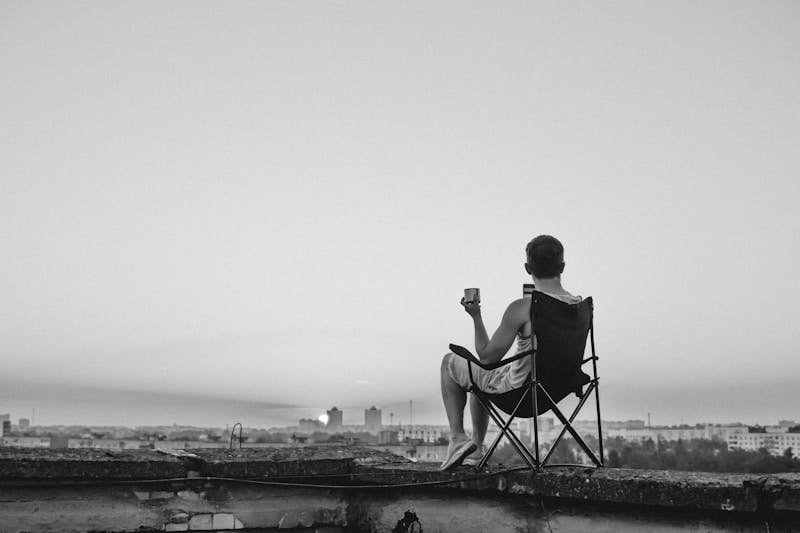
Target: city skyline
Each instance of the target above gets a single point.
(547, 421)
(132, 408)
(265, 209)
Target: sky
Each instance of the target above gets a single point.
(253, 211)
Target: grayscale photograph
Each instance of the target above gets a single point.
(334, 266)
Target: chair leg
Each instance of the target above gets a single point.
(599, 423)
(499, 422)
(512, 437)
(504, 425)
(568, 427)
(520, 446)
(571, 419)
(578, 439)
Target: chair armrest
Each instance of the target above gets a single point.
(466, 354)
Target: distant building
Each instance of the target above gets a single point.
(309, 425)
(334, 421)
(430, 453)
(666, 433)
(299, 439)
(388, 436)
(429, 434)
(5, 424)
(373, 420)
(425, 453)
(775, 440)
(24, 424)
(545, 423)
(26, 442)
(723, 431)
(678, 433)
(615, 424)
(59, 441)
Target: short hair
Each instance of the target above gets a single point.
(545, 256)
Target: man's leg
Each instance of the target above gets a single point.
(480, 420)
(454, 396)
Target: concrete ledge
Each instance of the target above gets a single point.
(362, 489)
(47, 464)
(291, 462)
(368, 466)
(672, 489)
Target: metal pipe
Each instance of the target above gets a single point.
(534, 380)
(233, 430)
(597, 389)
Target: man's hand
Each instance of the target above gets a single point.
(473, 309)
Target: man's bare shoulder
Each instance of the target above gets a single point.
(519, 310)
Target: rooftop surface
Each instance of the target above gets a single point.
(313, 487)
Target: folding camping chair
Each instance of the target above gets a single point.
(560, 330)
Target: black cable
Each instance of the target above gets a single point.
(106, 483)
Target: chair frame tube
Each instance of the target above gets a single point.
(596, 389)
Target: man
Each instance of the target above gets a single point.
(545, 263)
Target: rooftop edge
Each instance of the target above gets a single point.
(329, 465)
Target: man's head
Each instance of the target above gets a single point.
(545, 257)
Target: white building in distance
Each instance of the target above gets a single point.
(423, 433)
(776, 442)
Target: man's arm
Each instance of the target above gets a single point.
(492, 350)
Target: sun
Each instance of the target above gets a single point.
(323, 419)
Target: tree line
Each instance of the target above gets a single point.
(695, 455)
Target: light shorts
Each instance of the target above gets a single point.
(491, 381)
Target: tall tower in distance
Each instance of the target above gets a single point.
(373, 420)
(5, 424)
(334, 420)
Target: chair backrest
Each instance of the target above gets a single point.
(561, 330)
